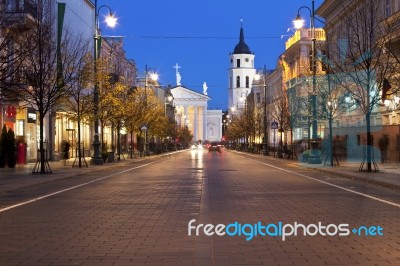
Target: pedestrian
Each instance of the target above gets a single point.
(383, 147)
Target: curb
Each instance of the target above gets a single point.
(84, 171)
(361, 179)
(333, 172)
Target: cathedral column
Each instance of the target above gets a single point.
(184, 116)
(195, 123)
(205, 137)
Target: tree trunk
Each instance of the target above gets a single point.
(41, 144)
(103, 148)
(132, 144)
(118, 142)
(330, 151)
(79, 140)
(369, 141)
(50, 144)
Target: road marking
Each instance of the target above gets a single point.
(333, 185)
(68, 189)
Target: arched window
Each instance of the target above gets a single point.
(247, 82)
(237, 81)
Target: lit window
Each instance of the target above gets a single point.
(19, 127)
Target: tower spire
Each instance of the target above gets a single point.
(241, 47)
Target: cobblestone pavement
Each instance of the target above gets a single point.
(138, 215)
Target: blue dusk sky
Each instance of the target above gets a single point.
(199, 35)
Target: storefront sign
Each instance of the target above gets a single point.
(32, 116)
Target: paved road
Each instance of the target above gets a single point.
(139, 214)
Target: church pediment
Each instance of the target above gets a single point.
(181, 93)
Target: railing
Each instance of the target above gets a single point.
(305, 33)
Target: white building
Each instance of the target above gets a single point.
(191, 111)
(241, 73)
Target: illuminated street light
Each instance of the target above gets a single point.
(111, 22)
(331, 110)
(298, 24)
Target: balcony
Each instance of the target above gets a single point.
(305, 34)
(18, 14)
(391, 26)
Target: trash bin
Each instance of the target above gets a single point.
(21, 153)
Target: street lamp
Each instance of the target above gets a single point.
(331, 109)
(299, 23)
(153, 76)
(233, 109)
(111, 22)
(265, 138)
(168, 100)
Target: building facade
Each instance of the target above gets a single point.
(296, 72)
(240, 74)
(75, 20)
(382, 117)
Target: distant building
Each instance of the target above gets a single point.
(191, 112)
(240, 74)
(296, 73)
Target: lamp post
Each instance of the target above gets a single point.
(153, 76)
(167, 112)
(111, 22)
(168, 100)
(331, 109)
(298, 23)
(263, 72)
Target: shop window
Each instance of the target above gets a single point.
(20, 125)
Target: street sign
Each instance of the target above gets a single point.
(143, 127)
(274, 124)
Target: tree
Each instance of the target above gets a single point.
(80, 101)
(281, 113)
(48, 80)
(134, 109)
(185, 136)
(362, 59)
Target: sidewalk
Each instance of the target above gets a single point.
(387, 176)
(21, 176)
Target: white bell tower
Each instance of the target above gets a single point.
(241, 73)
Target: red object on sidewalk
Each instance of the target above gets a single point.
(21, 153)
